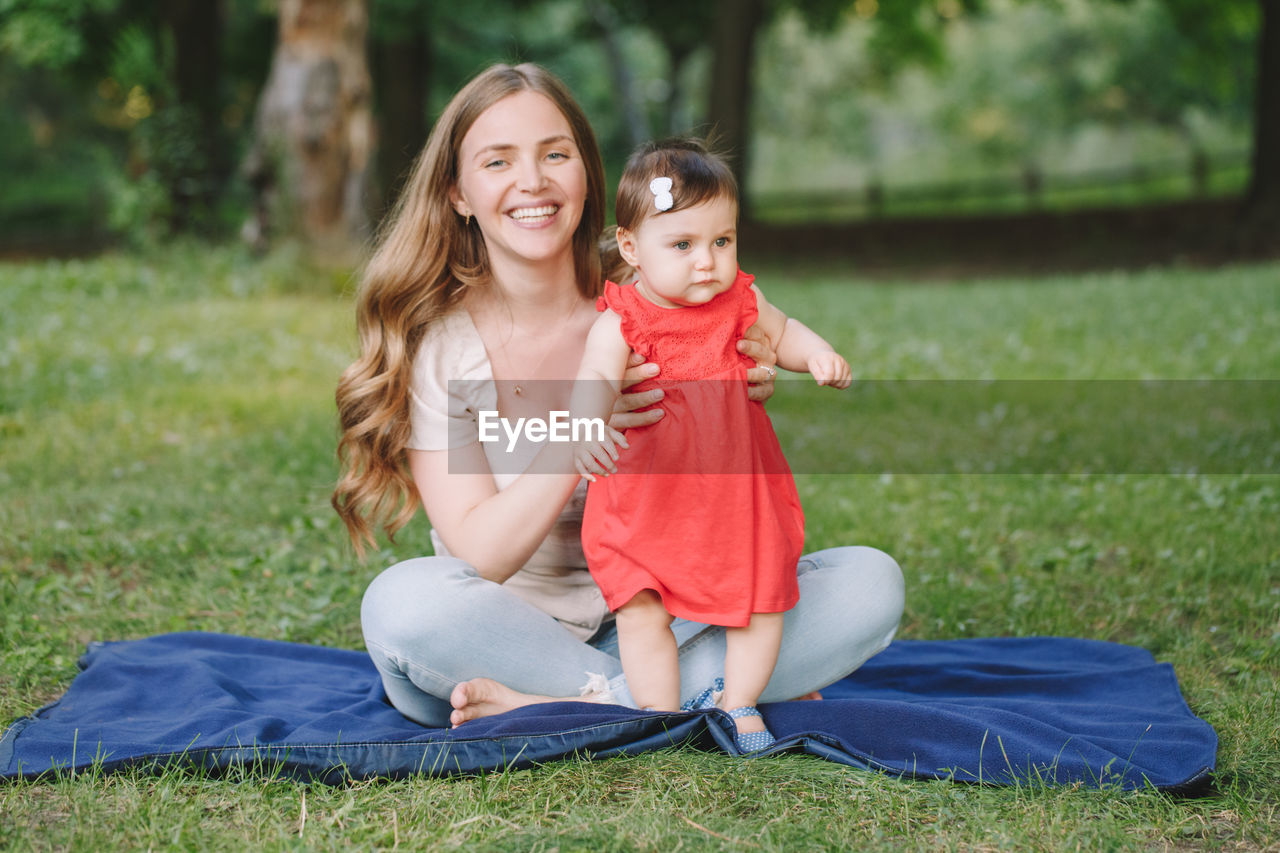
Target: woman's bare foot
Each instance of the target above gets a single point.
(484, 697)
(808, 696)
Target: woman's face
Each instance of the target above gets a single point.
(521, 176)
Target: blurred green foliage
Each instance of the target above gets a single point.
(95, 145)
(1063, 87)
(99, 146)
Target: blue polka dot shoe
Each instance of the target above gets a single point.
(750, 741)
(706, 699)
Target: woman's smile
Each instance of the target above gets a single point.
(539, 215)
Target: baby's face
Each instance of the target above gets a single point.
(687, 257)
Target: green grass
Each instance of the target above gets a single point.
(166, 453)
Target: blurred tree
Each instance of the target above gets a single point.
(403, 54)
(1079, 65)
(48, 138)
(195, 27)
(906, 31)
(680, 28)
(1263, 204)
(606, 24)
(49, 33)
(310, 161)
(159, 67)
(1217, 34)
(733, 42)
(1029, 80)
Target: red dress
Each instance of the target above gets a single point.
(703, 508)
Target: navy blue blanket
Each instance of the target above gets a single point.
(1001, 711)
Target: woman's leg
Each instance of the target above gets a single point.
(648, 651)
(851, 601)
(433, 623)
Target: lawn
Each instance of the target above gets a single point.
(166, 455)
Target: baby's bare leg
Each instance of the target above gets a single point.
(750, 655)
(648, 651)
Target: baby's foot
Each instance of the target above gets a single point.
(749, 733)
(749, 724)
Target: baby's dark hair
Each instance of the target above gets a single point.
(696, 174)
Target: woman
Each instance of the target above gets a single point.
(483, 282)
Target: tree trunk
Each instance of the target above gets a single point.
(314, 137)
(607, 25)
(677, 123)
(402, 67)
(1262, 205)
(729, 109)
(196, 28)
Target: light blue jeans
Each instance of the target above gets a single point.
(433, 622)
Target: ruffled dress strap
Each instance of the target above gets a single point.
(748, 310)
(635, 312)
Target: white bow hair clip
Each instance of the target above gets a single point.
(661, 189)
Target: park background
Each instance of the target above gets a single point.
(948, 190)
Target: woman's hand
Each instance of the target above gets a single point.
(755, 345)
(624, 414)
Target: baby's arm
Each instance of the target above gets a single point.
(799, 348)
(599, 381)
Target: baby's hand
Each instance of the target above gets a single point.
(829, 368)
(598, 457)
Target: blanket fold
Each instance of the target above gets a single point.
(1000, 711)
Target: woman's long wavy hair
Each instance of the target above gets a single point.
(425, 258)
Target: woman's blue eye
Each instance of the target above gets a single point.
(722, 242)
(559, 155)
(682, 245)
(493, 163)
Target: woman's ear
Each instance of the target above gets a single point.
(627, 247)
(455, 198)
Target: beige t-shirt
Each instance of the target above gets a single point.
(444, 415)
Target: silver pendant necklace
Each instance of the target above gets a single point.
(519, 389)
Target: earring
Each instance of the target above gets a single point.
(468, 220)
